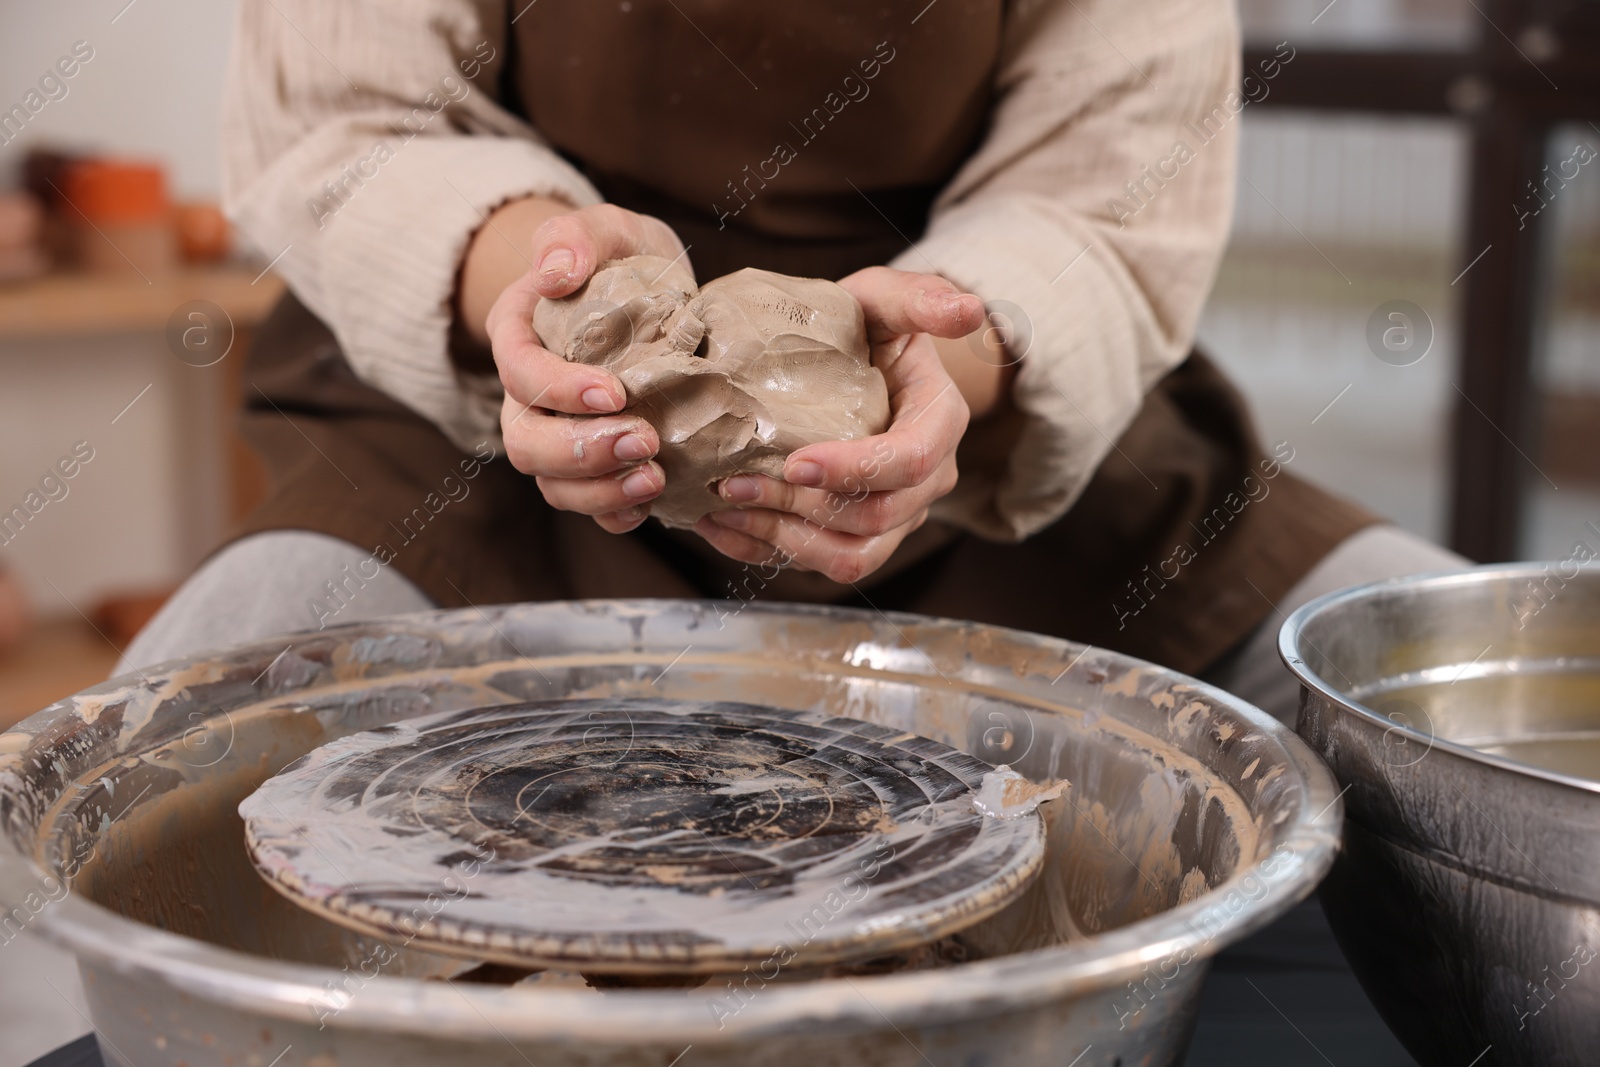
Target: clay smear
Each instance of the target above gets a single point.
(733, 376)
(1005, 794)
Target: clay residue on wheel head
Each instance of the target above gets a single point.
(734, 376)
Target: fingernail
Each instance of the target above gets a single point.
(945, 301)
(598, 399)
(740, 489)
(803, 472)
(557, 264)
(639, 483)
(632, 514)
(735, 520)
(630, 446)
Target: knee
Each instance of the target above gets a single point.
(271, 583)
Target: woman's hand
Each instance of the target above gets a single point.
(594, 466)
(842, 507)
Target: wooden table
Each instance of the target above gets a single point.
(73, 304)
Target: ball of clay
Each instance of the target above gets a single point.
(734, 376)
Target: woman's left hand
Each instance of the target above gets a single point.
(842, 507)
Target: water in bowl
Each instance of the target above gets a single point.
(1540, 713)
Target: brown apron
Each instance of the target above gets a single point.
(1184, 538)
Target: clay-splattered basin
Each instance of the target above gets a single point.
(1193, 820)
(1461, 712)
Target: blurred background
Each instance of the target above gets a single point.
(1429, 152)
(122, 151)
(1426, 151)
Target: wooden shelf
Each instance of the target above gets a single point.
(74, 304)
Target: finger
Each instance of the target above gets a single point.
(535, 377)
(929, 418)
(844, 558)
(556, 446)
(602, 496)
(567, 249)
(741, 547)
(620, 522)
(900, 302)
(856, 511)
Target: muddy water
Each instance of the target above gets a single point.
(1143, 828)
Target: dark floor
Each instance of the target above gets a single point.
(81, 1053)
(1286, 997)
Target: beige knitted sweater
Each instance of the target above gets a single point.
(1098, 202)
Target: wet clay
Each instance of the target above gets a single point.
(655, 836)
(734, 376)
(1005, 794)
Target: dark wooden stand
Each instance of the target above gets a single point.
(1534, 67)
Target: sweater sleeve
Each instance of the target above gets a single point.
(1091, 220)
(363, 146)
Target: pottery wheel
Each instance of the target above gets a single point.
(640, 836)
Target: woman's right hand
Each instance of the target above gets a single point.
(595, 466)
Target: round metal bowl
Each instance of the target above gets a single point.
(1461, 715)
(1193, 819)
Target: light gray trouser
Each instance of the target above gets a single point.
(276, 582)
